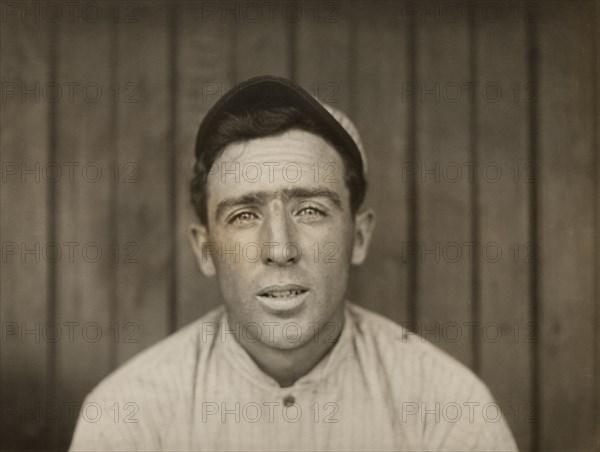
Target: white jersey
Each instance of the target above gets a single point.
(379, 388)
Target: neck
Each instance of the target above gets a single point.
(288, 365)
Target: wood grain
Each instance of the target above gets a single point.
(144, 156)
(396, 72)
(568, 230)
(85, 283)
(381, 283)
(504, 178)
(443, 192)
(261, 43)
(323, 70)
(26, 358)
(203, 67)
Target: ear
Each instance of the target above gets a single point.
(203, 249)
(364, 223)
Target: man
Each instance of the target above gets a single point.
(287, 363)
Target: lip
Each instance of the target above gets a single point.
(275, 298)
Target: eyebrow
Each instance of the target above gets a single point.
(261, 197)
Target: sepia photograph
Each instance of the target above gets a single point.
(300, 225)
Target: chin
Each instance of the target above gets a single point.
(288, 340)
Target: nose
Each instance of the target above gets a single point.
(278, 240)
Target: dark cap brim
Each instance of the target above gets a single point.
(270, 91)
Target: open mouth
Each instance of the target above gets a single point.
(282, 298)
(282, 293)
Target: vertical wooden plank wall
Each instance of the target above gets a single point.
(203, 43)
(443, 225)
(568, 232)
(25, 358)
(261, 45)
(84, 283)
(144, 238)
(381, 77)
(504, 179)
(395, 69)
(323, 69)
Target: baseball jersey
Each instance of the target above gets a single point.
(379, 388)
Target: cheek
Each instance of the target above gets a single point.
(235, 285)
(333, 245)
(328, 259)
(232, 269)
(231, 260)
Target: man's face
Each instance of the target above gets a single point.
(280, 235)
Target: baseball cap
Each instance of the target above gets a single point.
(271, 91)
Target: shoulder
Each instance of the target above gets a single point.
(451, 407)
(402, 352)
(167, 364)
(149, 393)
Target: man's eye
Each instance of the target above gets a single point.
(242, 218)
(310, 212)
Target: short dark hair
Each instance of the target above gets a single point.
(260, 123)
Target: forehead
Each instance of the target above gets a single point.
(295, 158)
(292, 146)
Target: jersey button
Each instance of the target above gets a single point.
(289, 401)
